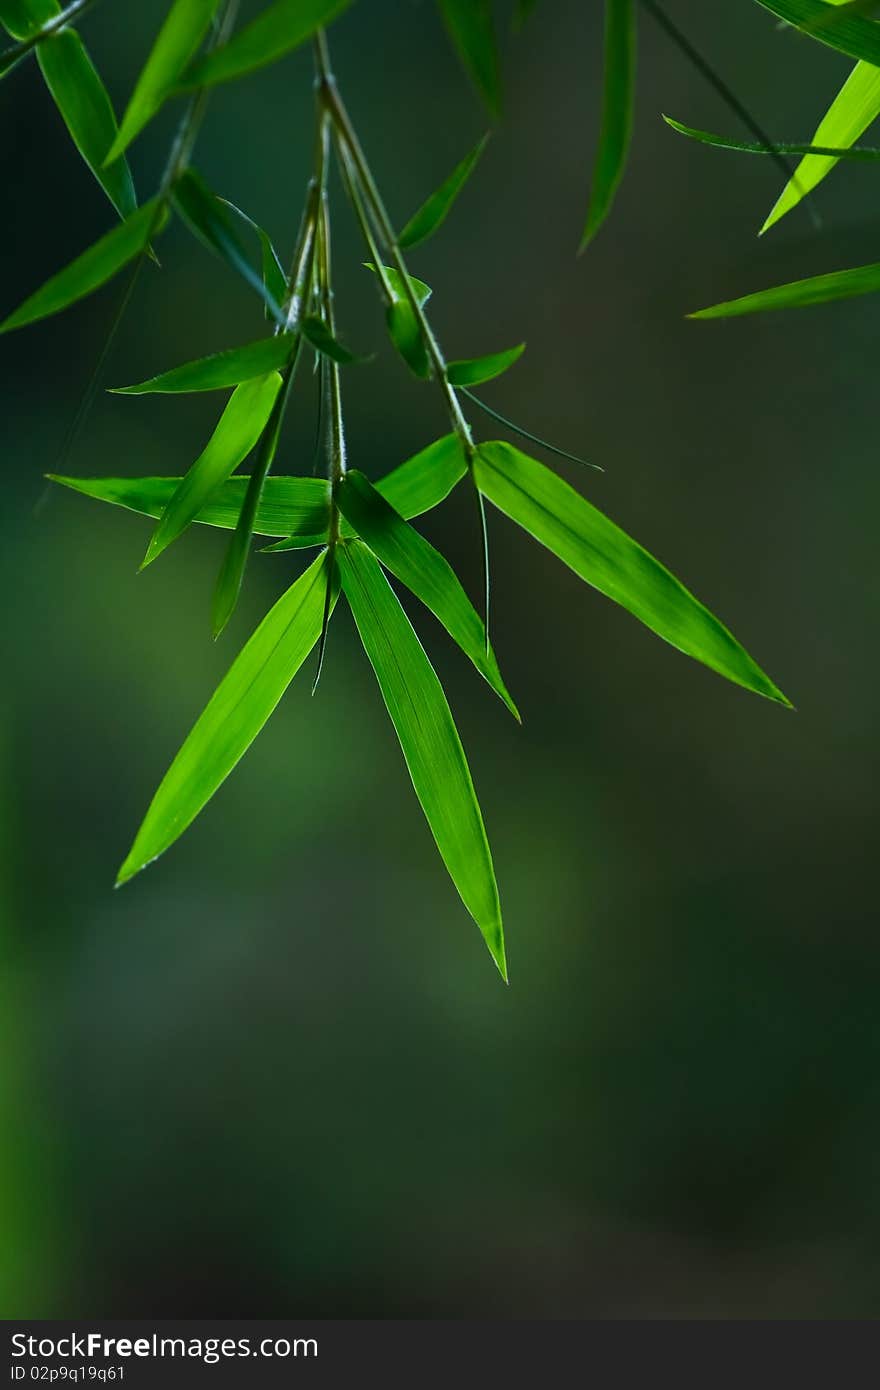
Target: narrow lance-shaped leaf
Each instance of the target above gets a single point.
(185, 26)
(423, 570)
(611, 561)
(428, 737)
(87, 111)
(315, 330)
(475, 370)
(854, 108)
(280, 28)
(222, 369)
(867, 153)
(93, 268)
(472, 30)
(205, 215)
(274, 278)
(618, 105)
(238, 430)
(234, 716)
(435, 210)
(800, 294)
(845, 31)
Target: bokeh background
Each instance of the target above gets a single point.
(278, 1074)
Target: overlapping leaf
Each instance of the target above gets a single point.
(24, 18)
(846, 31)
(403, 326)
(278, 30)
(206, 216)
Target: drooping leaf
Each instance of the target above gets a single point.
(475, 370)
(24, 18)
(297, 505)
(234, 716)
(618, 105)
(87, 111)
(323, 341)
(185, 26)
(472, 30)
(278, 30)
(423, 570)
(435, 210)
(855, 107)
(206, 216)
(413, 488)
(222, 369)
(428, 737)
(847, 32)
(800, 294)
(867, 153)
(403, 326)
(93, 268)
(238, 430)
(611, 561)
(274, 278)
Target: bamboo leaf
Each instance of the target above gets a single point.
(236, 713)
(855, 107)
(206, 217)
(423, 570)
(475, 370)
(185, 26)
(323, 341)
(280, 29)
(403, 326)
(24, 18)
(237, 432)
(428, 738)
(93, 268)
(230, 367)
(87, 111)
(274, 278)
(847, 32)
(435, 210)
(611, 561)
(413, 488)
(618, 107)
(867, 153)
(472, 30)
(800, 294)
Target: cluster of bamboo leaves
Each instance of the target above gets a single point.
(362, 531)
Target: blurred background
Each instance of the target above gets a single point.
(278, 1073)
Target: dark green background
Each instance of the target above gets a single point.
(278, 1073)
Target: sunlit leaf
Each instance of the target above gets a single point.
(612, 562)
(186, 24)
(800, 294)
(234, 716)
(472, 30)
(221, 369)
(238, 430)
(278, 30)
(618, 104)
(93, 268)
(867, 153)
(474, 370)
(423, 570)
(323, 341)
(434, 211)
(206, 216)
(847, 32)
(428, 737)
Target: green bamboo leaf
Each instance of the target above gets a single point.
(423, 570)
(618, 106)
(403, 326)
(274, 278)
(868, 153)
(230, 367)
(475, 370)
(280, 29)
(397, 286)
(287, 505)
(323, 341)
(428, 737)
(800, 294)
(608, 559)
(93, 268)
(185, 26)
(233, 717)
(87, 111)
(856, 106)
(435, 210)
(846, 32)
(206, 217)
(24, 18)
(237, 432)
(472, 30)
(413, 488)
